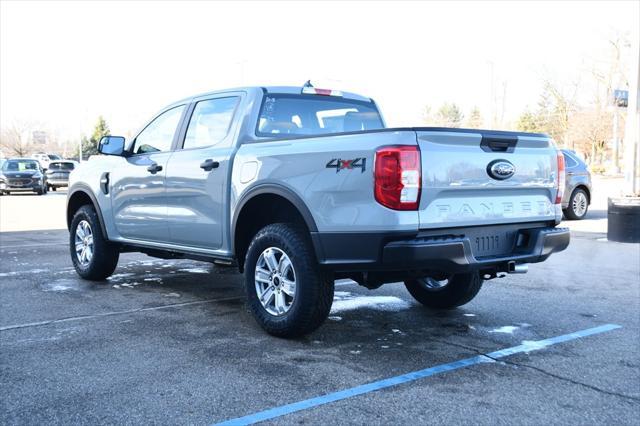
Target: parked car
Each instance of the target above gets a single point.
(44, 159)
(58, 173)
(299, 186)
(577, 193)
(22, 175)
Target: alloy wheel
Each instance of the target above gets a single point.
(275, 281)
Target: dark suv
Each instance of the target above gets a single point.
(22, 175)
(58, 173)
(577, 191)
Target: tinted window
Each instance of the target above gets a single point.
(61, 166)
(54, 157)
(315, 115)
(210, 122)
(569, 161)
(158, 135)
(20, 165)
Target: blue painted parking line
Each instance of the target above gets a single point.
(415, 375)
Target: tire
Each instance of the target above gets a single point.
(457, 290)
(103, 258)
(578, 205)
(309, 306)
(54, 189)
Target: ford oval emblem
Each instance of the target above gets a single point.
(500, 169)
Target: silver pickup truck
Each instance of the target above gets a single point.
(299, 186)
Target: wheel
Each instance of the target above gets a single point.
(53, 188)
(40, 191)
(93, 257)
(448, 293)
(286, 292)
(578, 205)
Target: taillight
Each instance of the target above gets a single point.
(398, 177)
(561, 178)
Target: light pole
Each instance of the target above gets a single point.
(632, 130)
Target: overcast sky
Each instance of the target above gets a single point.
(64, 63)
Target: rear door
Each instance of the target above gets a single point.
(481, 178)
(139, 201)
(198, 172)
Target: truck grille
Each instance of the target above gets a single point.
(18, 182)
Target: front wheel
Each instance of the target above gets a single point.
(287, 293)
(94, 258)
(448, 293)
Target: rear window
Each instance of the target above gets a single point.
(61, 166)
(315, 115)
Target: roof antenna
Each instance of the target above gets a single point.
(308, 84)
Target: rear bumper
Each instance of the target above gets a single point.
(451, 251)
(58, 182)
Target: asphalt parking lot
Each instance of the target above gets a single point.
(172, 342)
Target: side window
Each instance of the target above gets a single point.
(210, 122)
(158, 135)
(570, 162)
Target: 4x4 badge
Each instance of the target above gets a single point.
(339, 164)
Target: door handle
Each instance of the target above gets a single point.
(154, 168)
(209, 165)
(104, 182)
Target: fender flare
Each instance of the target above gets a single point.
(86, 190)
(275, 189)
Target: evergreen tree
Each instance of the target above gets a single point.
(90, 146)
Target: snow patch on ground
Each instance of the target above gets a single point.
(31, 271)
(194, 270)
(118, 277)
(61, 285)
(381, 303)
(534, 345)
(507, 329)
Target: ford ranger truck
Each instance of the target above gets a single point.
(299, 186)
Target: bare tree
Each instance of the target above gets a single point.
(16, 138)
(560, 103)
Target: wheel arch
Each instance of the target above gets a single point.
(277, 204)
(586, 189)
(80, 196)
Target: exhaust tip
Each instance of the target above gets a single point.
(514, 268)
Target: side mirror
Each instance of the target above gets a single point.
(111, 145)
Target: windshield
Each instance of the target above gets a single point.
(315, 115)
(60, 166)
(19, 165)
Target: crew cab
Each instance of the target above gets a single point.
(299, 186)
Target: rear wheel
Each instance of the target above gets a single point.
(578, 205)
(447, 293)
(94, 258)
(287, 293)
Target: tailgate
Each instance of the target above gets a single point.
(460, 187)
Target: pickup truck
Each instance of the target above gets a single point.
(299, 187)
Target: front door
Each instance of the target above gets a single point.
(198, 173)
(138, 196)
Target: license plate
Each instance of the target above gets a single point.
(492, 244)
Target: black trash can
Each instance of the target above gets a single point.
(623, 219)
